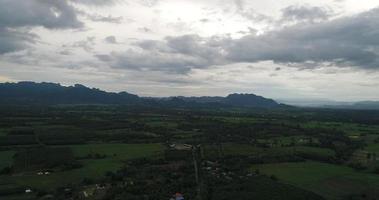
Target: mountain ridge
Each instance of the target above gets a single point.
(27, 92)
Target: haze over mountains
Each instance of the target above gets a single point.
(325, 103)
(53, 93)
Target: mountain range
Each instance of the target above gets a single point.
(53, 93)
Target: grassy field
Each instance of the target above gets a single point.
(246, 149)
(349, 128)
(330, 181)
(3, 132)
(118, 151)
(92, 168)
(240, 149)
(6, 158)
(374, 148)
(18, 197)
(315, 151)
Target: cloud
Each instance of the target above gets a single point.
(306, 13)
(174, 54)
(65, 52)
(47, 13)
(86, 44)
(12, 40)
(101, 18)
(111, 39)
(204, 20)
(96, 2)
(346, 41)
(250, 13)
(145, 30)
(149, 3)
(17, 16)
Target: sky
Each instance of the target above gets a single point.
(287, 49)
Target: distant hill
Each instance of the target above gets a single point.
(361, 105)
(367, 105)
(52, 93)
(250, 100)
(235, 100)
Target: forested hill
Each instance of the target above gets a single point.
(52, 93)
(235, 100)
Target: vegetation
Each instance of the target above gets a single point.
(328, 180)
(154, 151)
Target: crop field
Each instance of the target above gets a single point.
(18, 197)
(247, 149)
(258, 154)
(92, 168)
(373, 148)
(6, 158)
(349, 128)
(328, 180)
(3, 132)
(118, 151)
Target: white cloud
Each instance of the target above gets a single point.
(179, 47)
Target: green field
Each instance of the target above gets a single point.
(6, 158)
(373, 148)
(18, 197)
(240, 149)
(330, 181)
(118, 151)
(3, 132)
(92, 168)
(315, 151)
(246, 149)
(349, 128)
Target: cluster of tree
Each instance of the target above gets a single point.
(148, 179)
(42, 158)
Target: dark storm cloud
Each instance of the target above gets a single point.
(21, 14)
(348, 41)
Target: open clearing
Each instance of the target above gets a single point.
(328, 180)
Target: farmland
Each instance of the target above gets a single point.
(77, 148)
(330, 181)
(6, 158)
(114, 156)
